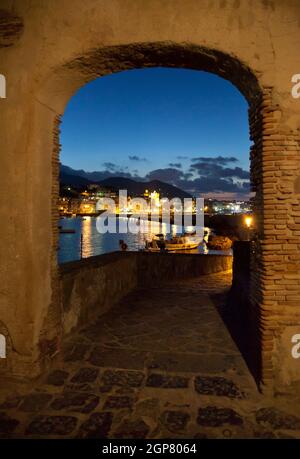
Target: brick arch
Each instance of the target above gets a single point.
(111, 59)
(262, 115)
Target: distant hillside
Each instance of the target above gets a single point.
(95, 176)
(70, 177)
(138, 188)
(73, 180)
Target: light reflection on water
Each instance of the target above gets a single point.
(95, 243)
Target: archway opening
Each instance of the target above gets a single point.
(160, 134)
(97, 63)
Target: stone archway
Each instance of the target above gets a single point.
(261, 115)
(34, 318)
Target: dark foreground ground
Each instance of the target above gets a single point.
(160, 365)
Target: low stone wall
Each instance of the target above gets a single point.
(92, 286)
(241, 274)
(159, 267)
(243, 323)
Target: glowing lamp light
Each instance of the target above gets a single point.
(248, 221)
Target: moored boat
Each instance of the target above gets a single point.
(176, 243)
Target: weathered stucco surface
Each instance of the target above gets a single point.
(55, 48)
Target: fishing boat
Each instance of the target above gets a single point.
(176, 243)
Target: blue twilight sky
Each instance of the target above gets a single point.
(185, 127)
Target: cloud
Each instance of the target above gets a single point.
(221, 160)
(178, 165)
(217, 185)
(111, 170)
(202, 178)
(110, 166)
(169, 174)
(209, 178)
(237, 172)
(187, 175)
(205, 177)
(136, 158)
(182, 157)
(216, 170)
(97, 176)
(204, 184)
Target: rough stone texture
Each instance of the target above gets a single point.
(131, 360)
(217, 386)
(35, 402)
(75, 352)
(7, 425)
(264, 434)
(85, 375)
(167, 382)
(118, 402)
(122, 378)
(97, 426)
(52, 425)
(175, 420)
(277, 419)
(50, 336)
(177, 266)
(132, 429)
(57, 377)
(213, 416)
(148, 407)
(185, 326)
(11, 28)
(75, 401)
(11, 402)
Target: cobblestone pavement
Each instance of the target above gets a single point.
(159, 365)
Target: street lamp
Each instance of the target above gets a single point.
(248, 223)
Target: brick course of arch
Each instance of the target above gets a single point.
(60, 49)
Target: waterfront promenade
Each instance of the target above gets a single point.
(161, 364)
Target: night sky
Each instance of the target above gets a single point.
(184, 127)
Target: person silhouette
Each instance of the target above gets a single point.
(123, 246)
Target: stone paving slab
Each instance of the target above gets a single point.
(193, 363)
(118, 358)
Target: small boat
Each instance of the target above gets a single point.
(66, 231)
(183, 242)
